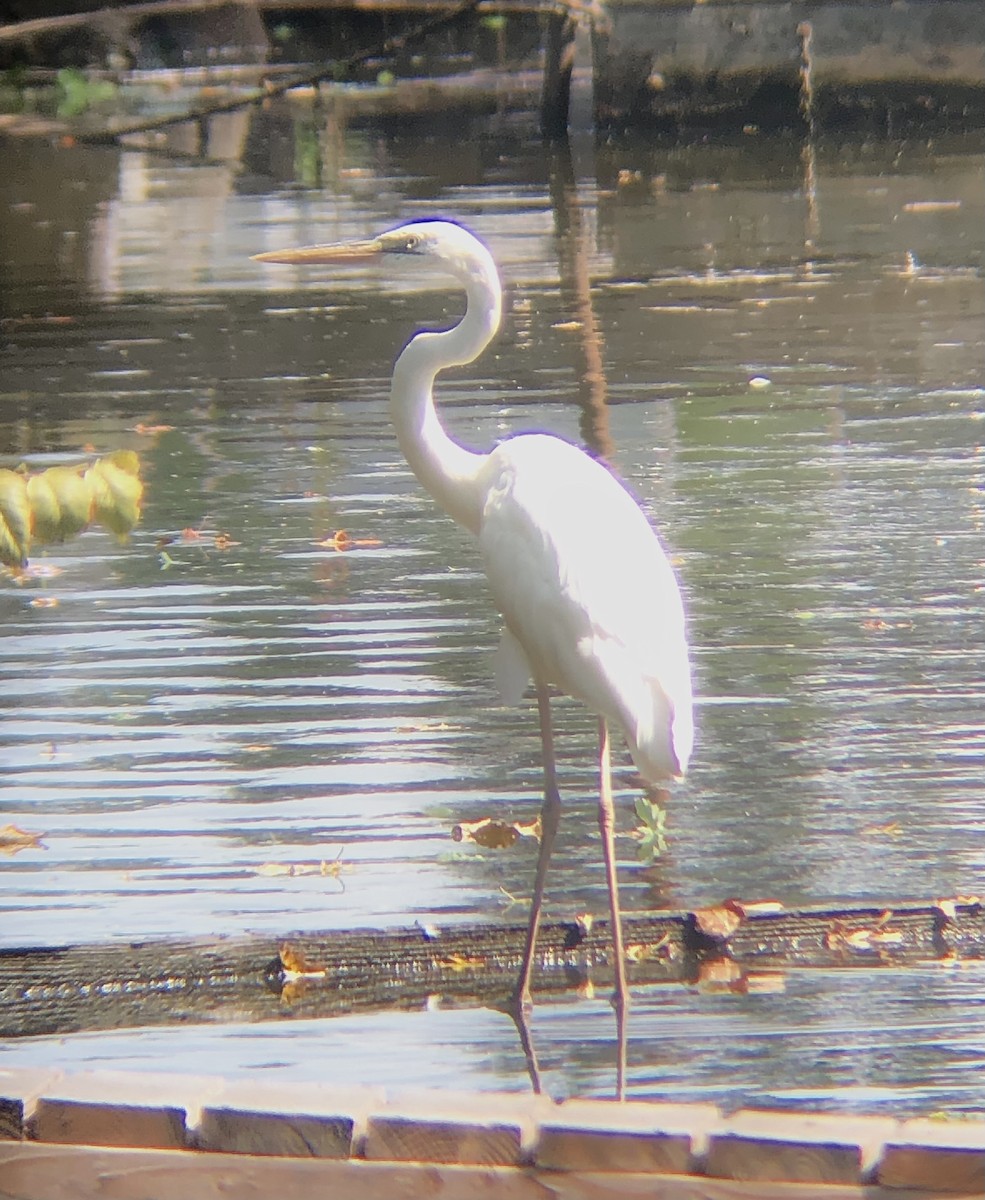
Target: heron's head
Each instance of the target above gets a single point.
(429, 245)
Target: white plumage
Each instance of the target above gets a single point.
(586, 590)
(590, 602)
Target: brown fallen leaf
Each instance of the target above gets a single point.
(340, 540)
(295, 962)
(492, 834)
(150, 430)
(13, 840)
(719, 922)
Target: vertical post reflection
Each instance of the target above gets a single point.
(573, 252)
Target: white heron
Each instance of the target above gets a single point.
(588, 597)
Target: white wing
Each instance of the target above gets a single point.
(586, 589)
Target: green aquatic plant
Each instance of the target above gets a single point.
(77, 92)
(651, 831)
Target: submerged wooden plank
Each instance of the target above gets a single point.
(71, 988)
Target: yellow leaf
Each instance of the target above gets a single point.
(127, 461)
(116, 491)
(461, 962)
(45, 511)
(15, 519)
(72, 502)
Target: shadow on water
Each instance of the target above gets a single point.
(789, 377)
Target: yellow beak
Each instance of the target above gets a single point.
(340, 252)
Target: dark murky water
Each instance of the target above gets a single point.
(795, 387)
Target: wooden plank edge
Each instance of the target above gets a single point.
(35, 1171)
(199, 1114)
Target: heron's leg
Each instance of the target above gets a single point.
(607, 825)
(550, 815)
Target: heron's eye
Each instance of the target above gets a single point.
(411, 242)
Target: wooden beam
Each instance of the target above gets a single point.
(46, 989)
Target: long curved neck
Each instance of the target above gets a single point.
(449, 472)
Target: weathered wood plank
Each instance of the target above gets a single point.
(32, 1171)
(64, 989)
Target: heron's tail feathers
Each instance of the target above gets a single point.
(661, 739)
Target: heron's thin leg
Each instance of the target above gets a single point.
(521, 1019)
(607, 823)
(550, 815)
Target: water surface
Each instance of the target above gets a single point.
(781, 352)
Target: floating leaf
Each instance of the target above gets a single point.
(341, 541)
(892, 829)
(495, 835)
(150, 430)
(13, 840)
(331, 867)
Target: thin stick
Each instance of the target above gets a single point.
(268, 91)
